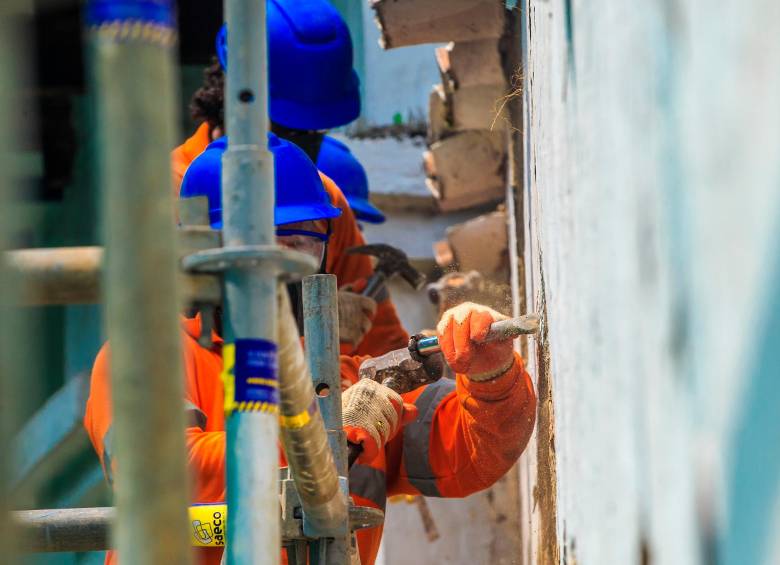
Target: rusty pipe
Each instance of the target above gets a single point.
(303, 430)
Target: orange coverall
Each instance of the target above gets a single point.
(386, 333)
(467, 435)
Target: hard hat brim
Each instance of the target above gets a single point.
(366, 211)
(292, 214)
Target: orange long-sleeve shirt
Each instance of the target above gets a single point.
(386, 333)
(467, 435)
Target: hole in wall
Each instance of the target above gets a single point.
(322, 390)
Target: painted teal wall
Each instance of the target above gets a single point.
(653, 199)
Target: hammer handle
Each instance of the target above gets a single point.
(504, 329)
(374, 284)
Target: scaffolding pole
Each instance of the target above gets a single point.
(321, 328)
(11, 338)
(250, 293)
(134, 71)
(65, 275)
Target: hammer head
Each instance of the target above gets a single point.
(400, 372)
(391, 261)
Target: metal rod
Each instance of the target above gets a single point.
(134, 70)
(248, 214)
(320, 327)
(69, 275)
(72, 275)
(304, 437)
(65, 530)
(321, 330)
(513, 327)
(12, 335)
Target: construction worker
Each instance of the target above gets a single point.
(302, 213)
(312, 88)
(337, 161)
(459, 436)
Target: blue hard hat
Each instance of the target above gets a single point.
(337, 161)
(312, 85)
(300, 195)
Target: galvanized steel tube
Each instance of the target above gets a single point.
(60, 275)
(12, 339)
(134, 69)
(321, 328)
(321, 331)
(65, 529)
(250, 305)
(303, 432)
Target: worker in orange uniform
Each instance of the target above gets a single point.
(448, 439)
(305, 37)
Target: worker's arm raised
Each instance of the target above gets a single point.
(469, 431)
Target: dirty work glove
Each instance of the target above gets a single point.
(460, 328)
(356, 313)
(373, 414)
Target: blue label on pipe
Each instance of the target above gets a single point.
(157, 12)
(256, 375)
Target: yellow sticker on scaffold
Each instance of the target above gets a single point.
(250, 376)
(228, 378)
(209, 524)
(299, 420)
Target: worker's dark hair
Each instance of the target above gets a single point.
(208, 105)
(208, 102)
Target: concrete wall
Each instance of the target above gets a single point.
(652, 197)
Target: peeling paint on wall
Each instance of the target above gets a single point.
(651, 193)
(545, 492)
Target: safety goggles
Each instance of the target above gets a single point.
(316, 235)
(305, 237)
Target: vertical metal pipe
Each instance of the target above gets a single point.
(250, 313)
(11, 55)
(321, 328)
(134, 73)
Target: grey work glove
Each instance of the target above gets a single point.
(373, 414)
(356, 313)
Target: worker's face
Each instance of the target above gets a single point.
(307, 237)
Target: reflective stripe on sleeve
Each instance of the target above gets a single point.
(367, 482)
(417, 436)
(382, 295)
(195, 416)
(107, 446)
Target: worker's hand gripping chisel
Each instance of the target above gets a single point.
(403, 370)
